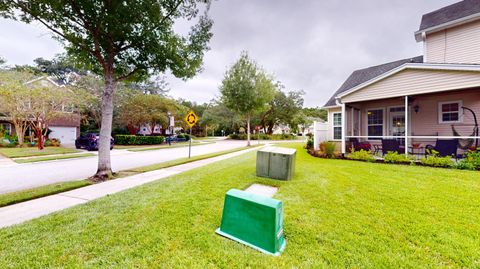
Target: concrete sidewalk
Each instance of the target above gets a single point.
(32, 209)
(6, 162)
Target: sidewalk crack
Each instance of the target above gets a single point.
(69, 196)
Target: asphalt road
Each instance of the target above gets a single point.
(29, 175)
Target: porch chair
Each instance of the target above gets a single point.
(357, 145)
(444, 147)
(391, 145)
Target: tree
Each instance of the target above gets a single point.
(120, 40)
(283, 109)
(45, 104)
(221, 117)
(14, 96)
(89, 88)
(246, 89)
(156, 85)
(60, 67)
(316, 112)
(148, 109)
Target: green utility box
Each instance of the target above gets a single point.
(275, 162)
(253, 220)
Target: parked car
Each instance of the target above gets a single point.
(177, 138)
(89, 141)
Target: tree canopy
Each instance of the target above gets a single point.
(246, 89)
(121, 40)
(283, 109)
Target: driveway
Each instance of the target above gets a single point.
(29, 175)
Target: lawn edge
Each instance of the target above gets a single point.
(126, 173)
(47, 158)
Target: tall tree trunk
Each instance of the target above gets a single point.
(20, 131)
(248, 131)
(39, 135)
(104, 171)
(270, 128)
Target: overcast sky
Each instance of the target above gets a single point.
(308, 45)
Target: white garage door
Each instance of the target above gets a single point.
(66, 135)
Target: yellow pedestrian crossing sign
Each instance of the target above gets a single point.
(191, 119)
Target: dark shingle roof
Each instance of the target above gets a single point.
(450, 13)
(363, 75)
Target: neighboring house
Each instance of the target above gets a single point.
(281, 129)
(145, 129)
(65, 127)
(416, 99)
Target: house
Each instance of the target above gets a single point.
(281, 129)
(65, 127)
(418, 99)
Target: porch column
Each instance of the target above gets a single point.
(406, 125)
(344, 127)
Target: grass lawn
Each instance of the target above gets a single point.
(337, 214)
(171, 163)
(25, 195)
(174, 145)
(53, 158)
(32, 151)
(208, 138)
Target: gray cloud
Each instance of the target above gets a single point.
(308, 45)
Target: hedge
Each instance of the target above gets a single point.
(262, 137)
(138, 140)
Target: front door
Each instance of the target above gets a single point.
(397, 122)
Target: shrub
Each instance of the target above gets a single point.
(437, 161)
(52, 143)
(138, 140)
(309, 144)
(395, 157)
(9, 140)
(470, 162)
(327, 150)
(362, 155)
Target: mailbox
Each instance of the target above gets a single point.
(276, 163)
(253, 220)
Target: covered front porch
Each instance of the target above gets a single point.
(411, 124)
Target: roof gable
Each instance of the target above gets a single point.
(363, 75)
(450, 13)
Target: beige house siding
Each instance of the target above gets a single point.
(459, 44)
(331, 111)
(425, 122)
(414, 82)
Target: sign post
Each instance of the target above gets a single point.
(191, 119)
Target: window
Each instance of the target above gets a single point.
(375, 122)
(337, 126)
(7, 127)
(449, 112)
